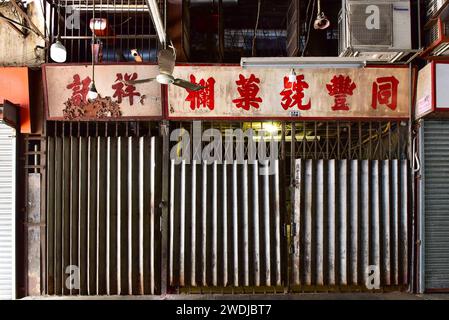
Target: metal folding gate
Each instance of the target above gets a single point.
(229, 228)
(103, 216)
(349, 215)
(226, 222)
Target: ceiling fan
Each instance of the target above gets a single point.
(166, 61)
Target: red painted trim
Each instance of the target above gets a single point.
(434, 86)
(246, 119)
(387, 66)
(107, 119)
(100, 64)
(437, 42)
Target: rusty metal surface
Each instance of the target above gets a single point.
(234, 239)
(365, 223)
(103, 212)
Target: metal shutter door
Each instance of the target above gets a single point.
(7, 169)
(436, 204)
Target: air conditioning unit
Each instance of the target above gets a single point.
(433, 7)
(376, 30)
(437, 39)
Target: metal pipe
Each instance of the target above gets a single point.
(319, 223)
(245, 224)
(296, 183)
(375, 213)
(331, 209)
(235, 223)
(395, 203)
(267, 225)
(204, 225)
(225, 224)
(153, 214)
(182, 235)
(172, 223)
(386, 222)
(256, 228)
(277, 215)
(308, 191)
(343, 209)
(364, 216)
(215, 224)
(354, 212)
(193, 244)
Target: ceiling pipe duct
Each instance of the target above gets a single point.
(226, 3)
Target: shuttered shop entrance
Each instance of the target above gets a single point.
(335, 202)
(7, 212)
(103, 214)
(226, 222)
(349, 215)
(434, 146)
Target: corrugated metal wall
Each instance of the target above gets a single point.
(349, 214)
(103, 216)
(435, 173)
(7, 210)
(225, 226)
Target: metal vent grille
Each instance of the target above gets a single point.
(433, 34)
(361, 35)
(436, 204)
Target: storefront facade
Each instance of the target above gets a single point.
(134, 207)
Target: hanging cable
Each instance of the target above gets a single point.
(259, 4)
(309, 27)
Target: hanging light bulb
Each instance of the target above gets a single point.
(58, 52)
(92, 94)
(292, 76)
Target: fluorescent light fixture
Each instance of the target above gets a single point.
(303, 62)
(157, 20)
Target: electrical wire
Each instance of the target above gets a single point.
(309, 27)
(93, 43)
(259, 4)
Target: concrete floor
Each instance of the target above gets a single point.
(303, 296)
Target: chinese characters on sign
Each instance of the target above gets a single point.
(124, 90)
(321, 93)
(119, 98)
(203, 98)
(248, 89)
(79, 89)
(385, 92)
(339, 88)
(293, 94)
